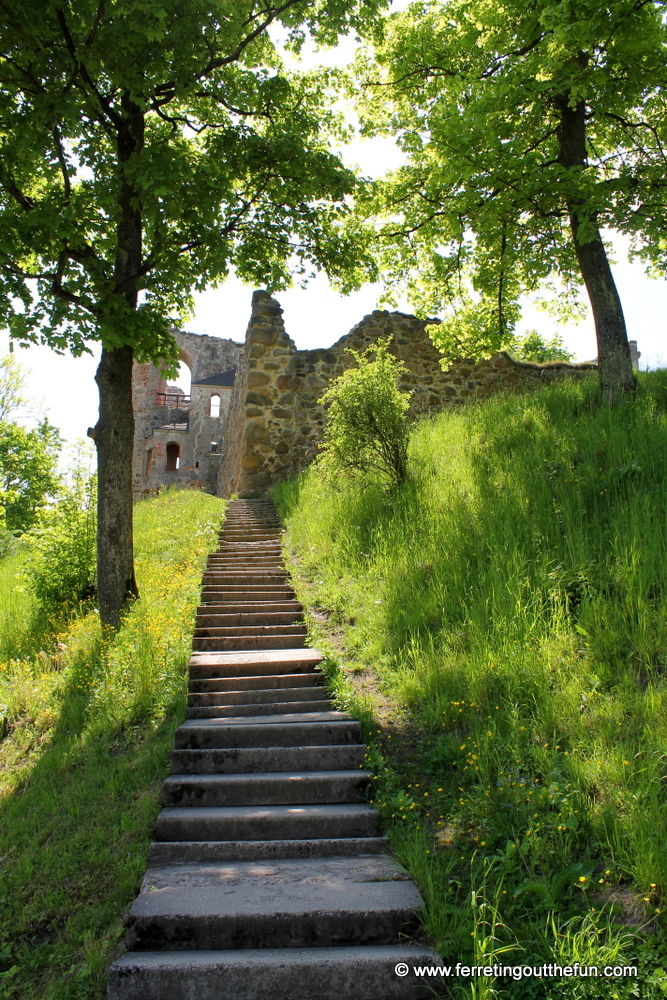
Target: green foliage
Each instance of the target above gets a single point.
(62, 570)
(512, 602)
(12, 387)
(476, 94)
(366, 432)
(179, 120)
(86, 726)
(27, 472)
(533, 347)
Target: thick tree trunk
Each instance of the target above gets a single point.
(114, 432)
(614, 359)
(114, 439)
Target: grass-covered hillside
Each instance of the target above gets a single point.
(511, 600)
(86, 726)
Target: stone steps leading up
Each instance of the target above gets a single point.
(267, 877)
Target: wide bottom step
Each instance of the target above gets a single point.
(308, 902)
(352, 973)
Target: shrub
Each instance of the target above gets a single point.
(366, 431)
(63, 568)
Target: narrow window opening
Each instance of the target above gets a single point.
(196, 465)
(149, 461)
(214, 447)
(173, 457)
(215, 406)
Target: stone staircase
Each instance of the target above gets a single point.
(268, 878)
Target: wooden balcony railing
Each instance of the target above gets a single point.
(175, 400)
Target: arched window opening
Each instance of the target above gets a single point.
(176, 394)
(214, 447)
(215, 406)
(149, 461)
(173, 456)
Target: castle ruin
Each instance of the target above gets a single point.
(253, 415)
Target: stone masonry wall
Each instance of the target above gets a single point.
(191, 427)
(275, 421)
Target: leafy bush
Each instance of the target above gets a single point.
(63, 570)
(366, 432)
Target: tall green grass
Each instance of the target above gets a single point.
(512, 600)
(88, 726)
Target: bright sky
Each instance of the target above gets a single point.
(317, 316)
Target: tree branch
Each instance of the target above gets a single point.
(104, 102)
(60, 153)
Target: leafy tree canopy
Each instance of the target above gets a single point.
(527, 127)
(170, 123)
(532, 346)
(27, 472)
(12, 387)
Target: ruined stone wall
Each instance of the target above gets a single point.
(191, 427)
(275, 421)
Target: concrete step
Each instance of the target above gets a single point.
(343, 973)
(250, 554)
(252, 539)
(266, 822)
(248, 580)
(182, 852)
(271, 528)
(253, 662)
(258, 710)
(296, 628)
(320, 729)
(249, 760)
(245, 559)
(251, 607)
(250, 542)
(244, 618)
(228, 578)
(260, 683)
(309, 902)
(270, 788)
(239, 643)
(252, 533)
(240, 555)
(245, 595)
(258, 696)
(244, 566)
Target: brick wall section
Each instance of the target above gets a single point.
(275, 420)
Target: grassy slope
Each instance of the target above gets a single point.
(88, 727)
(512, 601)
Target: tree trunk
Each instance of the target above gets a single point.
(614, 359)
(114, 439)
(114, 432)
